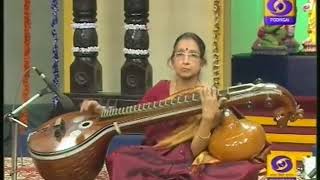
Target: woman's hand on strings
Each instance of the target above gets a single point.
(210, 103)
(91, 106)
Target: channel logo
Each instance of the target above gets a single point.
(281, 167)
(281, 164)
(279, 12)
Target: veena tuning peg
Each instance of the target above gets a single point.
(257, 81)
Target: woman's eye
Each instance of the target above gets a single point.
(194, 55)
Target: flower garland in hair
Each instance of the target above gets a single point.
(26, 56)
(55, 52)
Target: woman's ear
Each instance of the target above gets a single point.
(202, 63)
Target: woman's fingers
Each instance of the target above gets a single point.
(90, 106)
(208, 92)
(84, 105)
(201, 93)
(208, 97)
(214, 92)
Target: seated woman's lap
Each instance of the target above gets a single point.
(144, 162)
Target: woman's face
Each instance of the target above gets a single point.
(186, 61)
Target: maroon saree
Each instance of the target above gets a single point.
(143, 162)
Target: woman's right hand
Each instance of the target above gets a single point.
(91, 106)
(210, 103)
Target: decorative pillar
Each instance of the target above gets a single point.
(86, 70)
(136, 73)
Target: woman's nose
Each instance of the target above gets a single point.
(186, 58)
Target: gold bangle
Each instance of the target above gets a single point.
(205, 138)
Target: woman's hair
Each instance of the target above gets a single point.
(197, 39)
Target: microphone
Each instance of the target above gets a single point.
(49, 84)
(65, 101)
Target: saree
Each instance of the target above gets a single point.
(144, 162)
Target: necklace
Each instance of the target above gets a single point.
(174, 89)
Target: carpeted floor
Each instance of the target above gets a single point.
(27, 170)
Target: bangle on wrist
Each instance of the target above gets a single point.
(206, 137)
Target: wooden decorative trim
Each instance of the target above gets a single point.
(216, 46)
(220, 46)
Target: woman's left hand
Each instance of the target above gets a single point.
(209, 120)
(210, 104)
